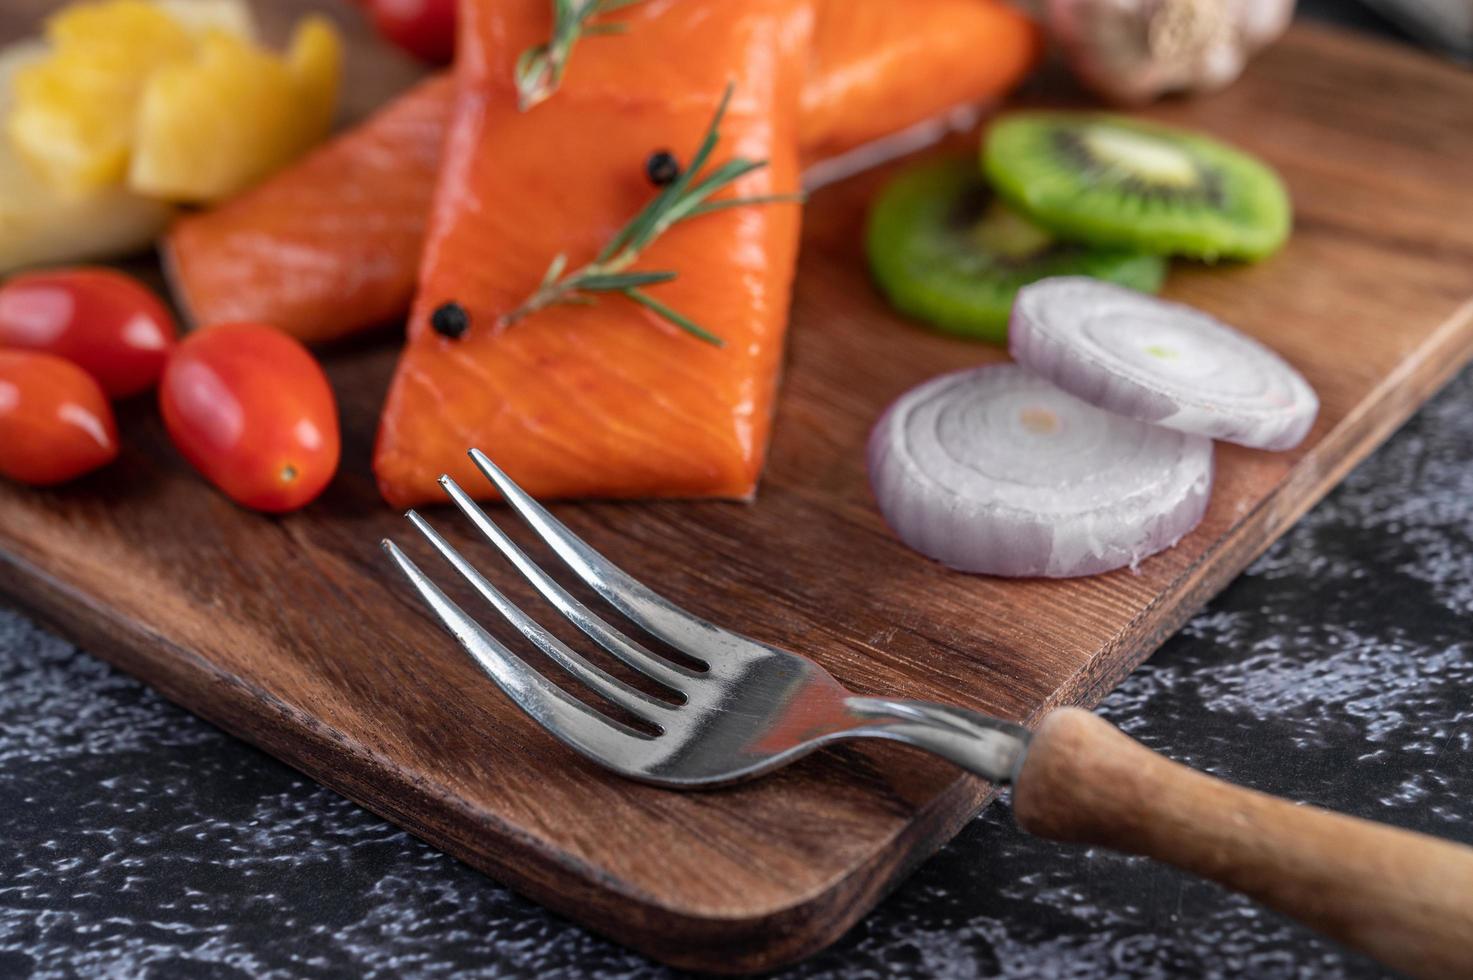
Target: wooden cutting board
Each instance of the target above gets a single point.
(294, 634)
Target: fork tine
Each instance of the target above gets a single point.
(654, 613)
(629, 698)
(581, 727)
(672, 676)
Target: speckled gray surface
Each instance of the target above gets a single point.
(142, 842)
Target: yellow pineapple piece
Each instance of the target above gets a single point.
(140, 28)
(201, 17)
(210, 125)
(171, 97)
(74, 110)
(213, 125)
(40, 223)
(315, 59)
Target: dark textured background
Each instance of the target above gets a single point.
(140, 841)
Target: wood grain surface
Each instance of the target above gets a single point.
(293, 634)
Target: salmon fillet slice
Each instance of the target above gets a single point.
(332, 245)
(881, 66)
(329, 246)
(604, 400)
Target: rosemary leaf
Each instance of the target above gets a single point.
(619, 281)
(741, 202)
(689, 196)
(539, 70)
(727, 173)
(680, 320)
(555, 268)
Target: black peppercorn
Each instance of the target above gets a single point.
(662, 168)
(450, 320)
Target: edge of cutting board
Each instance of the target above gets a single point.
(782, 935)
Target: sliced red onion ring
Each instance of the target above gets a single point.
(995, 470)
(1159, 362)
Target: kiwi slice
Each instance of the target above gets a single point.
(945, 250)
(1112, 180)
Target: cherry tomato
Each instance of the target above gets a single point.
(424, 28)
(107, 323)
(252, 411)
(55, 422)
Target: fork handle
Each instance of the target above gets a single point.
(1404, 898)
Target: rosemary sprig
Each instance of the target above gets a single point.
(686, 197)
(540, 69)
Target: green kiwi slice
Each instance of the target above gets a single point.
(945, 250)
(1113, 180)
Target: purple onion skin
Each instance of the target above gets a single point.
(1277, 425)
(1005, 542)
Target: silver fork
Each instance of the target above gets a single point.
(1402, 897)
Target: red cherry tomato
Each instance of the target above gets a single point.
(424, 28)
(55, 422)
(107, 323)
(252, 411)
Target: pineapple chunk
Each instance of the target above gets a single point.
(316, 62)
(74, 111)
(210, 125)
(40, 224)
(171, 97)
(213, 125)
(201, 17)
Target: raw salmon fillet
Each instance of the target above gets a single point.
(329, 246)
(881, 66)
(332, 245)
(604, 400)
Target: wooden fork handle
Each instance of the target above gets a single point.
(1404, 898)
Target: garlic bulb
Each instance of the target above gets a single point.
(1133, 51)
